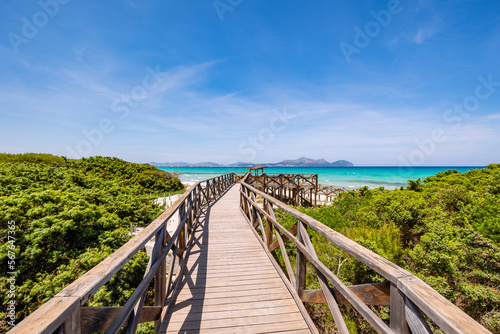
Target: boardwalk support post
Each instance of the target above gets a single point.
(269, 225)
(72, 324)
(161, 277)
(397, 311)
(300, 270)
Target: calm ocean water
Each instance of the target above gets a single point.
(348, 177)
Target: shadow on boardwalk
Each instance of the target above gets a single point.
(229, 284)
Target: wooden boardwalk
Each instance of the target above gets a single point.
(230, 284)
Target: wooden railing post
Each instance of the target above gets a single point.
(190, 213)
(300, 270)
(72, 325)
(207, 191)
(269, 226)
(199, 199)
(245, 202)
(161, 277)
(182, 235)
(195, 202)
(397, 311)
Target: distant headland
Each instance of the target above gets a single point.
(300, 162)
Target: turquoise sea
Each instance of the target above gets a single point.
(348, 177)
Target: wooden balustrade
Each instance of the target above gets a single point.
(406, 295)
(66, 313)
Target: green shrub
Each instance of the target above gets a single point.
(70, 215)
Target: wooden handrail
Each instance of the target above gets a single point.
(408, 294)
(65, 311)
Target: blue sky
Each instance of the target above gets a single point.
(374, 82)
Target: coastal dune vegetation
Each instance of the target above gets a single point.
(69, 215)
(445, 229)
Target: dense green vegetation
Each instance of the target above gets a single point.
(69, 215)
(445, 229)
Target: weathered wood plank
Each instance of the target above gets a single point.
(225, 273)
(295, 326)
(233, 305)
(160, 280)
(300, 263)
(226, 277)
(282, 320)
(49, 317)
(227, 257)
(235, 313)
(397, 311)
(371, 294)
(98, 319)
(416, 321)
(204, 260)
(245, 297)
(227, 293)
(72, 324)
(269, 226)
(238, 281)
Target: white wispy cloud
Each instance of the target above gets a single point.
(422, 35)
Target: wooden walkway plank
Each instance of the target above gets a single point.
(291, 327)
(219, 306)
(229, 284)
(191, 323)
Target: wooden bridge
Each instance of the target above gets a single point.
(228, 280)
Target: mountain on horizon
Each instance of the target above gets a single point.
(307, 162)
(300, 162)
(185, 164)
